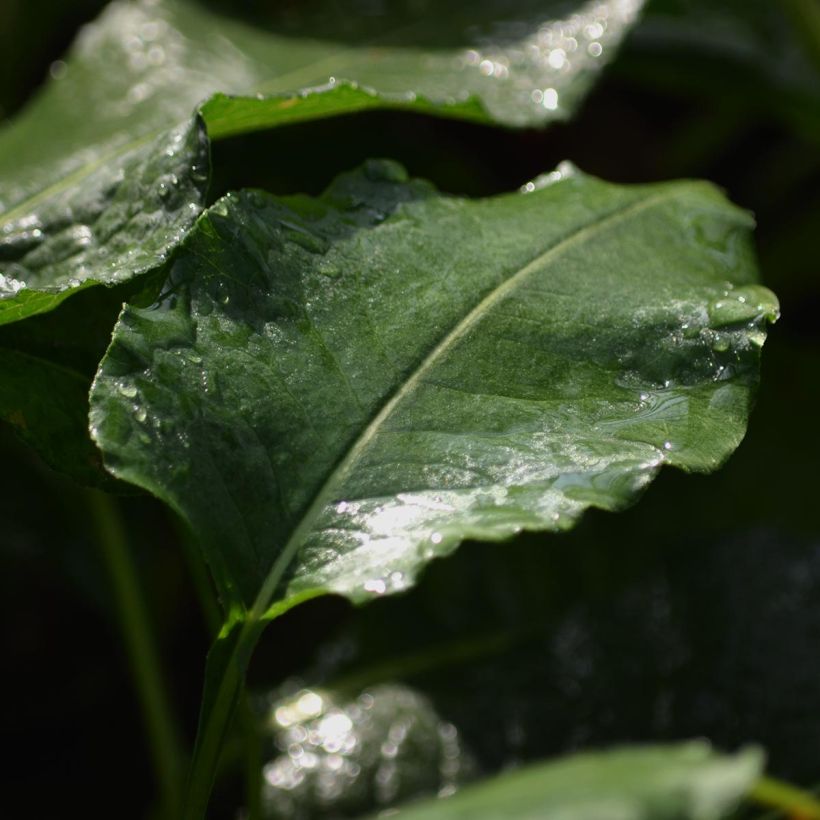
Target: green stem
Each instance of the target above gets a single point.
(791, 801)
(143, 658)
(212, 617)
(224, 684)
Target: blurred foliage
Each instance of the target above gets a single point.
(33, 34)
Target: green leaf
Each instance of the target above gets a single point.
(47, 364)
(114, 219)
(111, 197)
(336, 390)
(386, 746)
(686, 782)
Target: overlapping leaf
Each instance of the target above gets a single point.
(112, 195)
(685, 783)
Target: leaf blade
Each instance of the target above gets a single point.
(357, 510)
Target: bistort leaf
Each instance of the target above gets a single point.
(335, 391)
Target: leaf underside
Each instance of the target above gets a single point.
(334, 391)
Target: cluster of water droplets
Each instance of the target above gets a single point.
(712, 341)
(9, 286)
(563, 171)
(346, 757)
(540, 70)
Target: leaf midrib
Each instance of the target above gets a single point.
(452, 337)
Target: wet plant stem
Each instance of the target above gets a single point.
(163, 735)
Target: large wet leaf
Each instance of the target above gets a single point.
(108, 222)
(686, 782)
(335, 391)
(111, 197)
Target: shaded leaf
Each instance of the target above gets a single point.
(47, 364)
(55, 428)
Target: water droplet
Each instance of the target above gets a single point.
(128, 390)
(557, 57)
(385, 171)
(720, 344)
(436, 537)
(58, 69)
(376, 585)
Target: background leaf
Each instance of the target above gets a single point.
(750, 56)
(118, 220)
(640, 784)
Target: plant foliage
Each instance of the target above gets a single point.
(333, 390)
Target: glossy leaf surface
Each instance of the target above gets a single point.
(113, 195)
(335, 391)
(122, 219)
(687, 782)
